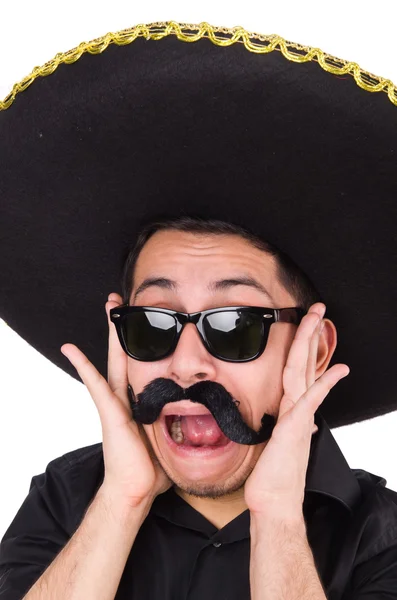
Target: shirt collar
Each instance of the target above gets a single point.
(328, 472)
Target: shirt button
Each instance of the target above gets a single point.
(217, 544)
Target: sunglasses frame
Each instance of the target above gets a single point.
(270, 316)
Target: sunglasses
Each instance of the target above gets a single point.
(233, 334)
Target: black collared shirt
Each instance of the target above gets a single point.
(351, 520)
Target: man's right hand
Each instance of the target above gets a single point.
(132, 473)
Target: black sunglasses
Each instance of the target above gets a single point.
(233, 334)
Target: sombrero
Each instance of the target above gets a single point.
(174, 118)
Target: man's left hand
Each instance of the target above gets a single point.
(277, 482)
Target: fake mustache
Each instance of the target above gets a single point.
(148, 405)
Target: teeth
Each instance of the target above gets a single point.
(176, 431)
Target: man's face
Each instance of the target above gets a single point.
(194, 261)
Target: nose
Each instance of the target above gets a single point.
(190, 361)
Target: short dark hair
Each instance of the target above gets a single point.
(290, 276)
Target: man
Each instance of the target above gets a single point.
(217, 475)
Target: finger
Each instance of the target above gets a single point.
(112, 411)
(294, 381)
(320, 309)
(294, 374)
(117, 358)
(307, 336)
(313, 353)
(307, 405)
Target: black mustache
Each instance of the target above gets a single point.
(161, 391)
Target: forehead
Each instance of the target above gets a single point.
(191, 253)
(196, 269)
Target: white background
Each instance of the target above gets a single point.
(44, 412)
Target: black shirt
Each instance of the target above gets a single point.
(351, 520)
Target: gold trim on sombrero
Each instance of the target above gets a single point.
(267, 43)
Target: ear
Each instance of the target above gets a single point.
(326, 347)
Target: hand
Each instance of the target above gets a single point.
(277, 482)
(132, 474)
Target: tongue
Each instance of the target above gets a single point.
(202, 430)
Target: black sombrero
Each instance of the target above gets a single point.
(171, 118)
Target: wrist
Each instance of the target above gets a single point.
(122, 508)
(271, 522)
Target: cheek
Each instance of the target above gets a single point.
(141, 373)
(259, 384)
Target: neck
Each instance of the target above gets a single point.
(218, 511)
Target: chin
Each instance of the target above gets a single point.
(203, 481)
(213, 491)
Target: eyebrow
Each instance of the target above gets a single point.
(214, 286)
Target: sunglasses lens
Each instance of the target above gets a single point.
(149, 335)
(234, 335)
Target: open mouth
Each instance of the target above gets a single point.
(200, 431)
